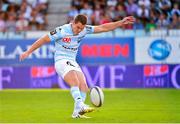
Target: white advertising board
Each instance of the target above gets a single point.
(156, 50)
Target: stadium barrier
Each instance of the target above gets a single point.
(92, 51)
(127, 62)
(105, 76)
(129, 50)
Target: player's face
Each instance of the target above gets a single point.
(77, 28)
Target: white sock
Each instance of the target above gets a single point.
(83, 95)
(75, 92)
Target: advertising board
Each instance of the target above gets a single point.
(91, 51)
(155, 50)
(105, 76)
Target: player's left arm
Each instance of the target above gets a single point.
(113, 25)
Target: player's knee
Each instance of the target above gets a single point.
(72, 79)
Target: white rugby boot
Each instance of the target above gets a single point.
(80, 109)
(85, 109)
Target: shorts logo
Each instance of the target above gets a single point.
(66, 40)
(69, 63)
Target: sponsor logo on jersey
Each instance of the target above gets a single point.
(73, 49)
(66, 40)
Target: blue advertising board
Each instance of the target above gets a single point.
(91, 51)
(106, 50)
(104, 76)
(11, 49)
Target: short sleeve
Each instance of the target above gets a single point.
(89, 29)
(55, 34)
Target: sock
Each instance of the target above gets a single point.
(75, 92)
(83, 95)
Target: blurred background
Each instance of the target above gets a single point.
(143, 55)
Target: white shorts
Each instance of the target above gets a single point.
(64, 66)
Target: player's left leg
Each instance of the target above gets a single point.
(79, 107)
(83, 90)
(83, 85)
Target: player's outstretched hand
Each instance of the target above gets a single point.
(128, 20)
(23, 56)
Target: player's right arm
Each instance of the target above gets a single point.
(52, 36)
(44, 39)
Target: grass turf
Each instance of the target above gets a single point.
(121, 105)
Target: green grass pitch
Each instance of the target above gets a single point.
(121, 105)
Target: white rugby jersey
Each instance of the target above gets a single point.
(66, 44)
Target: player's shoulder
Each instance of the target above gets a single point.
(66, 28)
(63, 29)
(89, 28)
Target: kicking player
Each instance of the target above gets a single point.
(67, 40)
